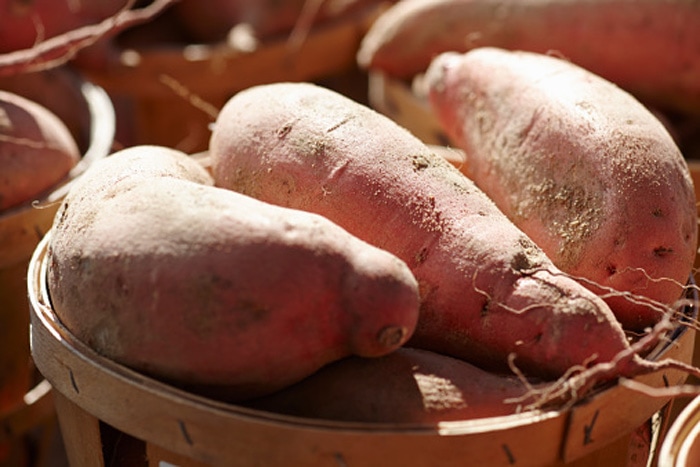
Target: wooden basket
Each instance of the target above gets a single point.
(98, 400)
(681, 447)
(25, 399)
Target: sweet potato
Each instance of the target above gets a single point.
(36, 150)
(649, 47)
(580, 166)
(60, 91)
(408, 386)
(206, 288)
(487, 291)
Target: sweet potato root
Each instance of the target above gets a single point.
(206, 288)
(408, 386)
(649, 47)
(487, 290)
(580, 166)
(42, 35)
(37, 150)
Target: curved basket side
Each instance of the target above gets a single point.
(681, 436)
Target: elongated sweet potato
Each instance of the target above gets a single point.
(648, 47)
(206, 288)
(487, 290)
(36, 150)
(408, 386)
(580, 166)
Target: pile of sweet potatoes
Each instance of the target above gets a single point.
(326, 249)
(327, 243)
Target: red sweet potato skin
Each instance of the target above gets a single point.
(648, 47)
(205, 288)
(408, 386)
(580, 166)
(487, 290)
(36, 150)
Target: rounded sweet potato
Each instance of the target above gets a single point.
(60, 91)
(207, 288)
(37, 150)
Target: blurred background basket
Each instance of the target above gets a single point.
(25, 398)
(681, 447)
(168, 90)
